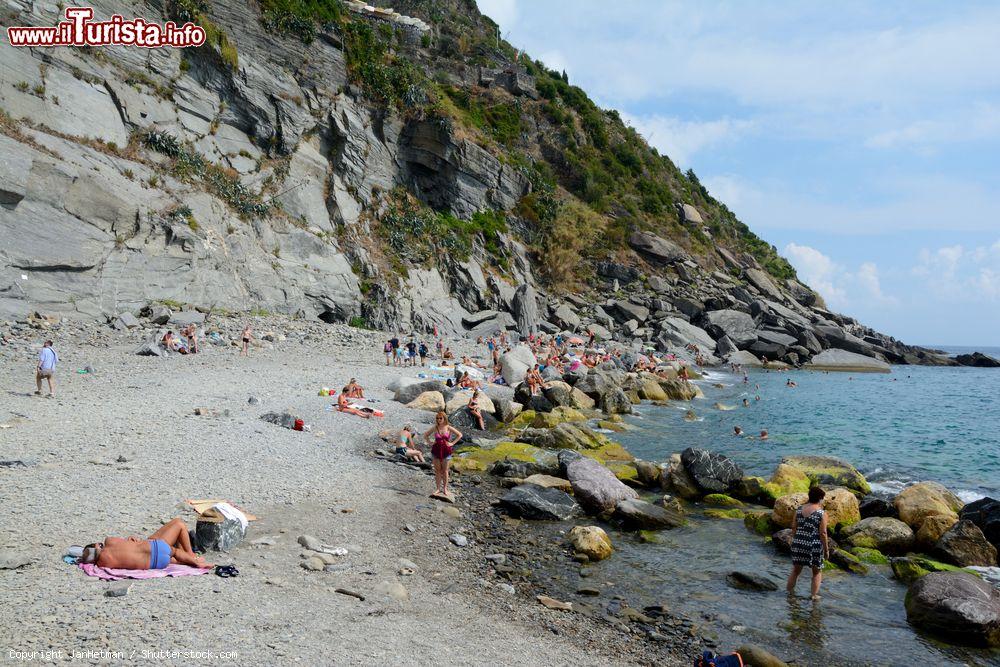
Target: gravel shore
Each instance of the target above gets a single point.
(119, 450)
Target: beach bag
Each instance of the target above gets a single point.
(709, 659)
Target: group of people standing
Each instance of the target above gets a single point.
(406, 354)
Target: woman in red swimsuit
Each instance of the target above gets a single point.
(442, 439)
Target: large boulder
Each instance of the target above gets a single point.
(591, 541)
(463, 420)
(187, 317)
(842, 360)
(515, 363)
(657, 249)
(679, 480)
(615, 402)
(985, 513)
(737, 325)
(530, 501)
(408, 393)
(525, 310)
(431, 401)
(841, 507)
(964, 544)
(675, 333)
(785, 507)
(637, 514)
(679, 390)
(772, 344)
(888, 535)
(596, 488)
(713, 473)
(460, 399)
(958, 606)
(871, 506)
(978, 360)
(828, 470)
(918, 501)
(932, 528)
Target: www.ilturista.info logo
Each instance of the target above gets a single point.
(79, 30)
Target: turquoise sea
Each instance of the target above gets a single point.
(916, 423)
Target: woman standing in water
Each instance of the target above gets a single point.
(809, 541)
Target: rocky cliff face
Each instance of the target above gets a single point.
(338, 169)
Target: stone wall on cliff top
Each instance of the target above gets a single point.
(93, 226)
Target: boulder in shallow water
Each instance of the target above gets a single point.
(679, 480)
(639, 515)
(849, 362)
(919, 501)
(749, 581)
(615, 402)
(847, 561)
(530, 501)
(782, 540)
(888, 535)
(911, 567)
(958, 606)
(828, 470)
(985, 513)
(964, 544)
(977, 360)
(713, 473)
(591, 541)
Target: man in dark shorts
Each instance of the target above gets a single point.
(394, 341)
(422, 350)
(411, 352)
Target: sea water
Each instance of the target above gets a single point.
(916, 423)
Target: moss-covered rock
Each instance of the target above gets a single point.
(722, 500)
(789, 479)
(870, 556)
(651, 389)
(609, 452)
(523, 420)
(624, 471)
(617, 427)
(911, 567)
(759, 522)
(828, 470)
(733, 513)
(559, 415)
(479, 459)
(848, 561)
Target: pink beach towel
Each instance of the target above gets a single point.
(116, 574)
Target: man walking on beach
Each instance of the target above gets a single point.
(47, 360)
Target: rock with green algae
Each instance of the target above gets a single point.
(759, 521)
(558, 416)
(911, 567)
(787, 479)
(732, 513)
(523, 420)
(828, 470)
(610, 452)
(847, 561)
(624, 471)
(479, 459)
(648, 536)
(721, 500)
(565, 436)
(870, 556)
(616, 426)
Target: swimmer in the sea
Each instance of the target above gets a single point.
(737, 431)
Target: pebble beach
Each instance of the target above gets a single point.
(119, 450)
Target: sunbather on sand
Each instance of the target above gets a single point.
(170, 544)
(344, 406)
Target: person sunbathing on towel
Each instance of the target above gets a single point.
(344, 406)
(170, 544)
(354, 390)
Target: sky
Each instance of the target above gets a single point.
(862, 139)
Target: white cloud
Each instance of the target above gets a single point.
(981, 123)
(681, 139)
(819, 272)
(504, 12)
(961, 274)
(838, 285)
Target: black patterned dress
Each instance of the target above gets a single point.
(807, 549)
